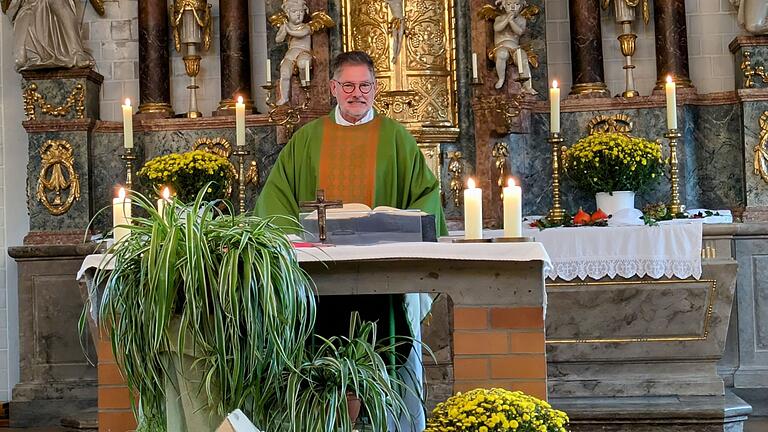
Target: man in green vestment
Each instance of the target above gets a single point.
(358, 156)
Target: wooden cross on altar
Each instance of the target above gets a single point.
(321, 205)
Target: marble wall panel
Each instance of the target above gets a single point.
(79, 214)
(752, 297)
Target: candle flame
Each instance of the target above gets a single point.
(127, 102)
(554, 83)
(511, 182)
(669, 79)
(166, 193)
(471, 183)
(240, 99)
(121, 193)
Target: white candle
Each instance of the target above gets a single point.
(474, 66)
(554, 108)
(670, 90)
(163, 201)
(306, 74)
(121, 214)
(127, 124)
(240, 121)
(473, 211)
(269, 71)
(513, 210)
(519, 56)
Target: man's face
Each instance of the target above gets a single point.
(354, 105)
(295, 15)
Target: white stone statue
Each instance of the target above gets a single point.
(397, 27)
(510, 22)
(753, 15)
(47, 33)
(291, 27)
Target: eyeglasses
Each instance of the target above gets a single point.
(349, 87)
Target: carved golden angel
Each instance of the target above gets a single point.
(510, 22)
(47, 34)
(625, 9)
(291, 26)
(761, 149)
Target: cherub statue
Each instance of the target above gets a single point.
(509, 24)
(291, 26)
(46, 33)
(397, 27)
(752, 15)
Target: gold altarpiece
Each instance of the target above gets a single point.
(417, 87)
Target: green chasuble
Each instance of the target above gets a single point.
(402, 178)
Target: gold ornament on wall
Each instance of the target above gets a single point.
(456, 172)
(57, 177)
(617, 123)
(751, 72)
(500, 153)
(75, 100)
(761, 149)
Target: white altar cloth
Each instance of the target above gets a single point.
(671, 249)
(394, 251)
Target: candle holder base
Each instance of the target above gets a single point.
(466, 240)
(512, 239)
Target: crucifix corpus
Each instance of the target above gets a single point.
(321, 205)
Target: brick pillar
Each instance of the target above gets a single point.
(500, 347)
(115, 413)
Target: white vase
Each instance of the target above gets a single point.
(611, 202)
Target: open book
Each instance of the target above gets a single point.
(353, 210)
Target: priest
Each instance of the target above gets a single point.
(359, 156)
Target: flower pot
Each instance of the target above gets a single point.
(353, 407)
(611, 202)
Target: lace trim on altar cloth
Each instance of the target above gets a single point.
(598, 268)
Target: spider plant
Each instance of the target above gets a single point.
(233, 284)
(317, 390)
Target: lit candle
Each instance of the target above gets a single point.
(121, 214)
(519, 56)
(473, 211)
(554, 108)
(670, 90)
(127, 124)
(164, 200)
(474, 66)
(240, 121)
(513, 210)
(269, 71)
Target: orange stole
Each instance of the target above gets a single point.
(348, 161)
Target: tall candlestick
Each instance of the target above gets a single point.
(554, 108)
(240, 121)
(269, 71)
(473, 211)
(474, 66)
(161, 203)
(670, 90)
(121, 214)
(513, 210)
(127, 124)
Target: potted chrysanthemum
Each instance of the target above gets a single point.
(495, 410)
(613, 166)
(186, 173)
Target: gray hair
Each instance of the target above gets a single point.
(352, 58)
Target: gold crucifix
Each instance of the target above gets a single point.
(321, 205)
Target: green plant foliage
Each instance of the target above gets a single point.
(186, 173)
(608, 162)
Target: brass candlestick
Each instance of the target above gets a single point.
(242, 179)
(556, 213)
(128, 157)
(674, 206)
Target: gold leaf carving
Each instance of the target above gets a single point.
(57, 177)
(370, 31)
(426, 42)
(761, 149)
(618, 123)
(75, 100)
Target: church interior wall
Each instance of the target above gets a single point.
(711, 27)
